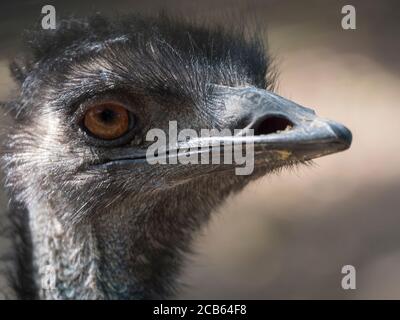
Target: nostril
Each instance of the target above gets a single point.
(271, 124)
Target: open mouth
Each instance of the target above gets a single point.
(271, 124)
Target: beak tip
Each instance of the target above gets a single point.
(343, 135)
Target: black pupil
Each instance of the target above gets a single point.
(107, 116)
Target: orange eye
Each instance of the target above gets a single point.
(107, 121)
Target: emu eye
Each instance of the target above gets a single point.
(107, 121)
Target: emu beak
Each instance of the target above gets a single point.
(280, 130)
(282, 126)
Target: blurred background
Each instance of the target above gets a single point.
(288, 236)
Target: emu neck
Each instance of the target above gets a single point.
(65, 260)
(131, 251)
(121, 255)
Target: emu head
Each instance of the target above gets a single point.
(91, 90)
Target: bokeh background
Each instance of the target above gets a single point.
(288, 236)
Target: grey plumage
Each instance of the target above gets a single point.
(114, 231)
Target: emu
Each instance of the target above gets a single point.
(94, 220)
